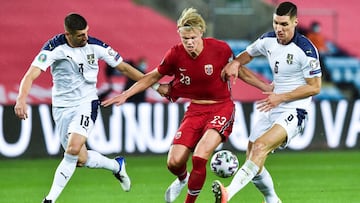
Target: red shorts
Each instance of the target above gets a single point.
(200, 117)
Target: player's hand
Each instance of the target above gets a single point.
(164, 89)
(21, 110)
(231, 70)
(272, 101)
(117, 100)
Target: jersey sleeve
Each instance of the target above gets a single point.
(105, 52)
(256, 48)
(44, 59)
(109, 55)
(166, 65)
(311, 67)
(311, 64)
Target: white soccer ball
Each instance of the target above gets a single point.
(224, 163)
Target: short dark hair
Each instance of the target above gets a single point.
(286, 9)
(74, 22)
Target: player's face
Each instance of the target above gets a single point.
(191, 40)
(284, 28)
(78, 38)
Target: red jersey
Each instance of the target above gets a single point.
(200, 77)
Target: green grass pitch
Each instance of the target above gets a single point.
(313, 177)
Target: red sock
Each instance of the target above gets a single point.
(196, 179)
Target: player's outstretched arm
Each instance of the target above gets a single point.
(129, 71)
(117, 100)
(311, 88)
(25, 85)
(145, 82)
(250, 78)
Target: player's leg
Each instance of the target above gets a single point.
(269, 141)
(67, 166)
(83, 123)
(179, 153)
(263, 182)
(204, 149)
(94, 160)
(176, 163)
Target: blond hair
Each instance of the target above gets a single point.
(190, 19)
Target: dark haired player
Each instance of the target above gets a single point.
(294, 61)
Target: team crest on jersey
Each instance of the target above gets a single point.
(209, 69)
(90, 58)
(289, 59)
(178, 135)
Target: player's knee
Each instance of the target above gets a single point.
(174, 162)
(73, 150)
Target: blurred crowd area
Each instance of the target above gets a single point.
(143, 30)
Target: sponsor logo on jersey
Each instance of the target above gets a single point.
(269, 52)
(42, 57)
(289, 59)
(90, 58)
(209, 69)
(50, 46)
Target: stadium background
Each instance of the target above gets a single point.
(147, 29)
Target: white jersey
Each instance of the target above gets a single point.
(74, 70)
(290, 64)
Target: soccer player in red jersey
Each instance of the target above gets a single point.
(195, 65)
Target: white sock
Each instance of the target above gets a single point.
(97, 160)
(265, 184)
(62, 176)
(242, 177)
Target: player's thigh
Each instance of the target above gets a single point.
(207, 144)
(63, 117)
(263, 124)
(290, 122)
(84, 120)
(272, 138)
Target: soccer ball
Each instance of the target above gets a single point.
(224, 163)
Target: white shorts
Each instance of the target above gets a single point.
(293, 121)
(78, 119)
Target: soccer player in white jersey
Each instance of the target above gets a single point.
(294, 61)
(73, 57)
